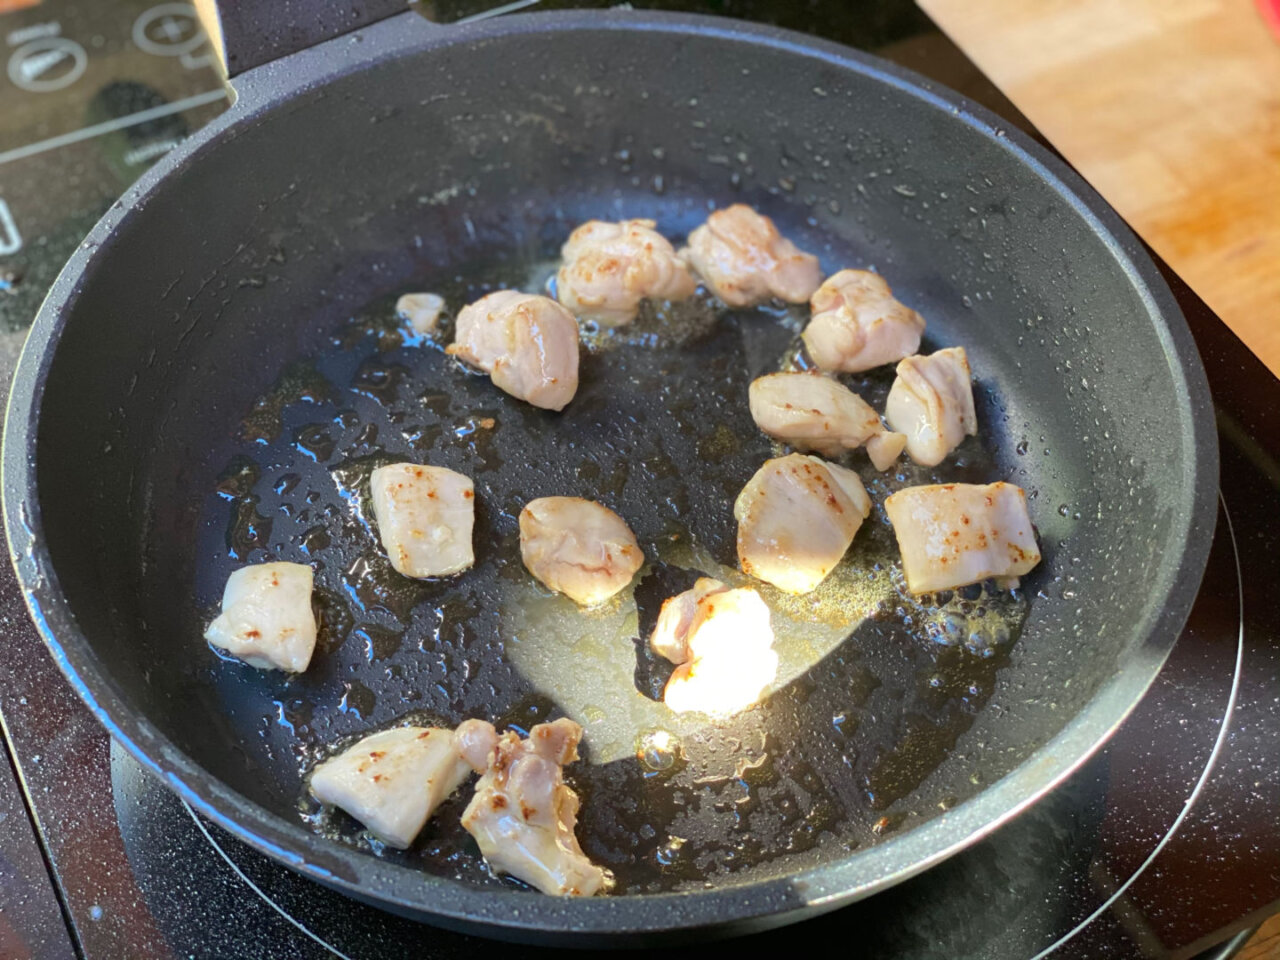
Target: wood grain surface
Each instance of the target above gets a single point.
(1171, 109)
(1265, 944)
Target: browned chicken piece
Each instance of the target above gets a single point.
(721, 641)
(610, 267)
(523, 814)
(796, 518)
(526, 343)
(266, 617)
(393, 781)
(858, 325)
(578, 547)
(931, 402)
(745, 261)
(953, 534)
(425, 517)
(813, 412)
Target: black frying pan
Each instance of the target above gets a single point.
(212, 377)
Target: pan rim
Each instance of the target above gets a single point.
(733, 907)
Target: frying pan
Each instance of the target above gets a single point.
(212, 377)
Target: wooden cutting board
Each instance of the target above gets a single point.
(1171, 109)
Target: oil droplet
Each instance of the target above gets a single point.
(657, 751)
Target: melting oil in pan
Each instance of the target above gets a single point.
(874, 688)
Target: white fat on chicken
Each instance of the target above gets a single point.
(745, 260)
(953, 534)
(393, 781)
(422, 310)
(266, 617)
(610, 267)
(931, 402)
(796, 518)
(857, 324)
(425, 516)
(813, 412)
(523, 814)
(721, 641)
(578, 547)
(528, 345)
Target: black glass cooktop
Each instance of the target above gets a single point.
(1165, 845)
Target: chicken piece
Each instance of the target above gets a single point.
(813, 412)
(422, 310)
(744, 260)
(953, 534)
(425, 515)
(722, 643)
(578, 547)
(476, 740)
(671, 632)
(523, 815)
(393, 781)
(266, 617)
(796, 518)
(610, 267)
(931, 401)
(526, 343)
(858, 325)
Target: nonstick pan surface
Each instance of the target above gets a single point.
(216, 373)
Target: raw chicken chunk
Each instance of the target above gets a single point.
(858, 325)
(523, 815)
(796, 518)
(812, 412)
(931, 401)
(578, 548)
(266, 617)
(722, 643)
(954, 534)
(422, 310)
(744, 260)
(527, 344)
(393, 781)
(610, 267)
(425, 515)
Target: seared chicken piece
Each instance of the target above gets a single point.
(744, 260)
(610, 267)
(858, 325)
(813, 412)
(425, 515)
(266, 617)
(670, 637)
(953, 534)
(393, 781)
(526, 343)
(578, 547)
(931, 401)
(796, 518)
(722, 643)
(523, 815)
(422, 310)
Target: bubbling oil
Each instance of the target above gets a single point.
(875, 688)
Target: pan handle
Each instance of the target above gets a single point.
(247, 33)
